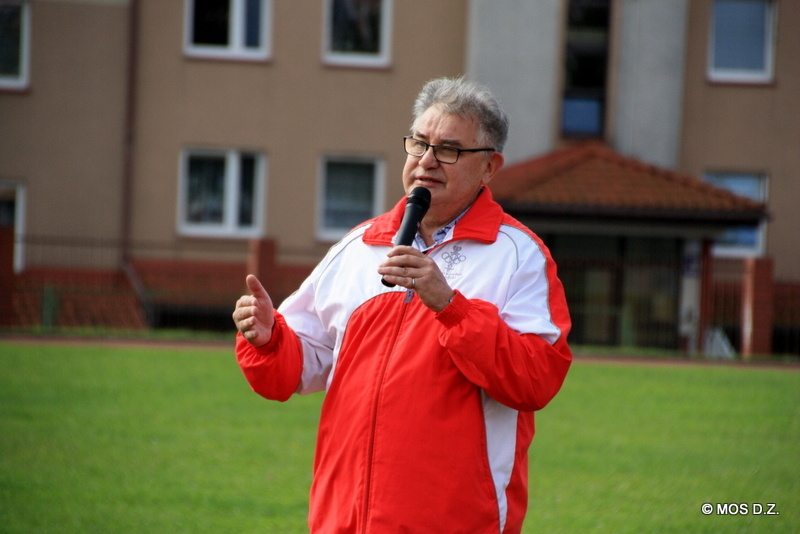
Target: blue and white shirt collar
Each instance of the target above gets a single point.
(439, 236)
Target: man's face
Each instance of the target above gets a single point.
(453, 186)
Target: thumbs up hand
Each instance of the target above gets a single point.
(254, 314)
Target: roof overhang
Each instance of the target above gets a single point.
(589, 185)
(631, 215)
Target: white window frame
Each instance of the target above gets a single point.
(746, 75)
(235, 49)
(229, 227)
(382, 59)
(742, 251)
(326, 233)
(21, 80)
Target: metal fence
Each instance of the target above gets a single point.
(85, 283)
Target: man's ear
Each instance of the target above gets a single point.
(493, 164)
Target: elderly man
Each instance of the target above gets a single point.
(431, 384)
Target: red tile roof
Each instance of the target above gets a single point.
(589, 179)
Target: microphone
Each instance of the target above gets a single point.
(417, 204)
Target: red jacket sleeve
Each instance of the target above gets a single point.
(522, 371)
(273, 370)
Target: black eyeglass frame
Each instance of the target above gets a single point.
(435, 147)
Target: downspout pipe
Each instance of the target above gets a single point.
(126, 210)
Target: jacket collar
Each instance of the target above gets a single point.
(480, 223)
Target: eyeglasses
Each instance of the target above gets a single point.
(442, 153)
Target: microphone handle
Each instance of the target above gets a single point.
(408, 229)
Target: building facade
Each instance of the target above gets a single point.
(143, 136)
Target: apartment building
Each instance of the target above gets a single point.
(173, 145)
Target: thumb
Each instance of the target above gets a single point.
(255, 287)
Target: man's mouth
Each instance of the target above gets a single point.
(427, 181)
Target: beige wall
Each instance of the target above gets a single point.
(292, 108)
(751, 128)
(62, 138)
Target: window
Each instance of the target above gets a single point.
(221, 193)
(235, 29)
(14, 36)
(623, 290)
(351, 193)
(12, 214)
(357, 32)
(746, 240)
(741, 41)
(583, 110)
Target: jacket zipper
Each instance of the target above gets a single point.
(375, 404)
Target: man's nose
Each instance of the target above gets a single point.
(427, 159)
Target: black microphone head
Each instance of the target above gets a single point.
(420, 196)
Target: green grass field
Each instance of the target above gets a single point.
(101, 439)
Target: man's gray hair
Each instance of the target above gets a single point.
(469, 100)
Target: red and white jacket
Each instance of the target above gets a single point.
(427, 417)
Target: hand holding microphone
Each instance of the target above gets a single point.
(417, 204)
